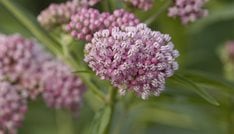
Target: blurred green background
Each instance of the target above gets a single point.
(177, 110)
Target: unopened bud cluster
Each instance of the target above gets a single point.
(188, 10)
(57, 14)
(88, 21)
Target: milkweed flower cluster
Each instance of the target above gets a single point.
(141, 4)
(12, 108)
(19, 59)
(26, 71)
(58, 14)
(188, 10)
(62, 89)
(119, 18)
(133, 58)
(88, 21)
(84, 23)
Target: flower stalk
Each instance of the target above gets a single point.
(112, 101)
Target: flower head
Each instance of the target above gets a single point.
(188, 10)
(141, 4)
(88, 21)
(133, 58)
(84, 23)
(120, 17)
(57, 14)
(62, 89)
(12, 108)
(20, 61)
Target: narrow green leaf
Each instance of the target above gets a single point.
(166, 116)
(219, 15)
(191, 85)
(100, 121)
(105, 120)
(211, 81)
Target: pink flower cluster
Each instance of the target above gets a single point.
(133, 58)
(84, 23)
(88, 21)
(141, 4)
(62, 89)
(12, 108)
(188, 10)
(57, 14)
(27, 71)
(19, 59)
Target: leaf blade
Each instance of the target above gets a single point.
(205, 95)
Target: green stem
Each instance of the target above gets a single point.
(64, 123)
(31, 25)
(164, 7)
(112, 102)
(70, 60)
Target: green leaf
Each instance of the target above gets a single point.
(210, 81)
(167, 117)
(100, 121)
(191, 85)
(224, 14)
(136, 118)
